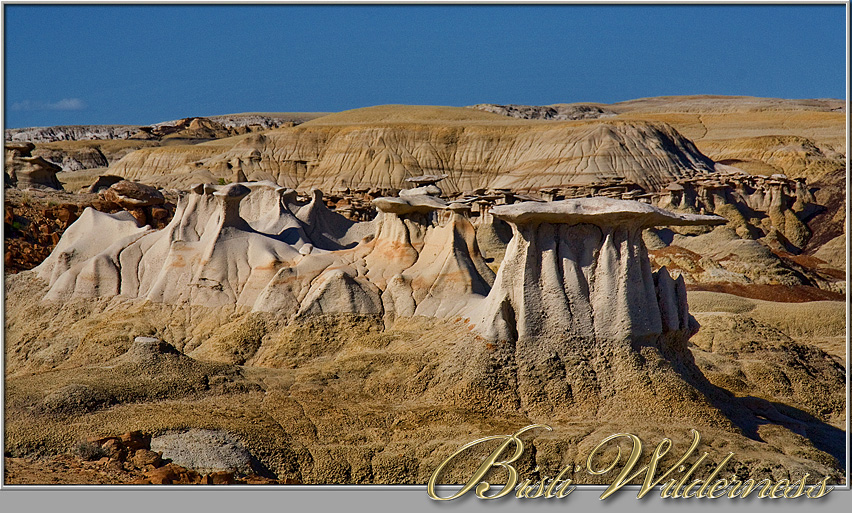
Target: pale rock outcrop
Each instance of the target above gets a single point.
(327, 229)
(256, 247)
(575, 283)
(423, 184)
(579, 267)
(233, 123)
(431, 266)
(70, 133)
(83, 262)
(558, 112)
(26, 171)
(73, 159)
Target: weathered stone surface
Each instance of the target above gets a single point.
(204, 451)
(802, 138)
(600, 212)
(26, 171)
(143, 457)
(104, 182)
(418, 203)
(129, 194)
(73, 159)
(344, 351)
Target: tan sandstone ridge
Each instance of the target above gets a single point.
(77, 149)
(801, 138)
(366, 352)
(381, 146)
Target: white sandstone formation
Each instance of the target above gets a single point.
(578, 269)
(575, 284)
(575, 302)
(254, 246)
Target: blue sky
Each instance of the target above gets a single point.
(147, 63)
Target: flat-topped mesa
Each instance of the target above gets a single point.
(578, 270)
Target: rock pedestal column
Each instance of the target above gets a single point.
(575, 283)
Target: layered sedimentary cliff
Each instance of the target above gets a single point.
(801, 138)
(357, 149)
(79, 147)
(70, 133)
(223, 126)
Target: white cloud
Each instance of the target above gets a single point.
(63, 104)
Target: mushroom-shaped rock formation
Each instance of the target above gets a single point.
(400, 234)
(424, 180)
(423, 184)
(410, 264)
(431, 190)
(576, 283)
(27, 171)
(129, 194)
(418, 203)
(449, 271)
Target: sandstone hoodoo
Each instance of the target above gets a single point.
(253, 245)
(579, 269)
(576, 284)
(26, 171)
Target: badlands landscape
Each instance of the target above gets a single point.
(347, 298)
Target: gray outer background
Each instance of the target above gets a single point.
(407, 499)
